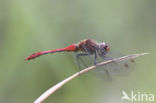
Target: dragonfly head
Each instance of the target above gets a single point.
(103, 48)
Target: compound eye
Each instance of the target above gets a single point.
(104, 48)
(107, 48)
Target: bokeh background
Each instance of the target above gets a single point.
(28, 26)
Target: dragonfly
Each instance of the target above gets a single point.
(91, 49)
(87, 47)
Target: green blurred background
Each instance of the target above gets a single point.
(28, 26)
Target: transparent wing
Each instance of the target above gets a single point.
(108, 71)
(83, 61)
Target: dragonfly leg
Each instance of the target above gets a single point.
(105, 57)
(78, 58)
(78, 63)
(95, 58)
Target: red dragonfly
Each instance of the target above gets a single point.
(89, 48)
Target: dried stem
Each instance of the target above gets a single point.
(60, 84)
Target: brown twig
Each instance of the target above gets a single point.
(60, 84)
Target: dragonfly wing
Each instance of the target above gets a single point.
(108, 71)
(118, 67)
